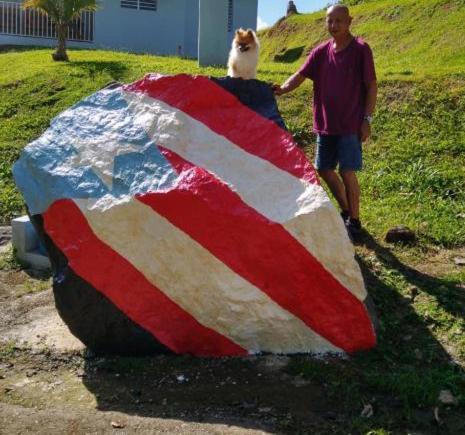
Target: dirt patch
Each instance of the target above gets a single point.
(5, 235)
(40, 327)
(16, 282)
(180, 394)
(75, 421)
(441, 262)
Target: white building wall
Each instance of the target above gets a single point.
(141, 31)
(215, 35)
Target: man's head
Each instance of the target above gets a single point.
(338, 21)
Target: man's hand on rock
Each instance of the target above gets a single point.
(365, 131)
(277, 89)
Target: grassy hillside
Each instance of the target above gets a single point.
(410, 38)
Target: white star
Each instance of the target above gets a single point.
(99, 155)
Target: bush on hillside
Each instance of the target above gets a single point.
(354, 2)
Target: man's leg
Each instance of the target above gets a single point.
(352, 189)
(350, 161)
(326, 160)
(336, 187)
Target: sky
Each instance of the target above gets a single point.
(269, 11)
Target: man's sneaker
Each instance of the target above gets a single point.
(345, 215)
(354, 228)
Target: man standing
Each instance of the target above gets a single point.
(344, 99)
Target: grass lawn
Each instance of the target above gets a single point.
(414, 175)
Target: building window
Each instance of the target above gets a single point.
(131, 4)
(230, 15)
(148, 5)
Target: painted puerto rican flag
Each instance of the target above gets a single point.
(199, 219)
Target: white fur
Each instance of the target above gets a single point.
(243, 64)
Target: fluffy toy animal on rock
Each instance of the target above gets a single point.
(243, 57)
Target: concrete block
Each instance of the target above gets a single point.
(27, 244)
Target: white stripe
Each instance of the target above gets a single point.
(304, 209)
(322, 232)
(198, 282)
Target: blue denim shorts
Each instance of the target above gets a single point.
(345, 150)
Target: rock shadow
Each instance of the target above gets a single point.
(290, 55)
(301, 392)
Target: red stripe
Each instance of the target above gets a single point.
(273, 260)
(128, 289)
(223, 113)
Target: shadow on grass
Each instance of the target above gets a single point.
(289, 56)
(20, 48)
(401, 378)
(448, 295)
(116, 70)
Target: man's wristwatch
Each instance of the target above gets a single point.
(368, 118)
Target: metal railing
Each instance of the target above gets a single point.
(14, 20)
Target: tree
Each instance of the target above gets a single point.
(291, 9)
(62, 13)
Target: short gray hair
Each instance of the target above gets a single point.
(337, 6)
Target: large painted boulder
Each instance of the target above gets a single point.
(180, 216)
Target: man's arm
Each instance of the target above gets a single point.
(290, 84)
(370, 104)
(372, 92)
